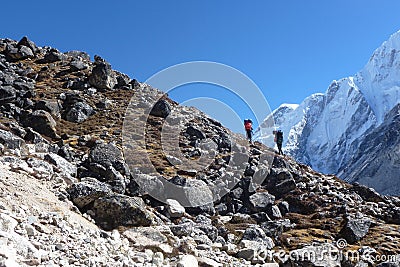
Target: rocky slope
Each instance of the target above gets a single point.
(326, 131)
(76, 192)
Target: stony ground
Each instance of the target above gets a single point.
(71, 192)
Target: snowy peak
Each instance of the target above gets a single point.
(326, 130)
(379, 79)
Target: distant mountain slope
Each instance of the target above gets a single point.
(326, 130)
(377, 161)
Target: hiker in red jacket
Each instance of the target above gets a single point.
(248, 126)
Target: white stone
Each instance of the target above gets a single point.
(187, 261)
(175, 209)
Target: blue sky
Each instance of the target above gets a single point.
(290, 49)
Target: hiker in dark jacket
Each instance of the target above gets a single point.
(278, 140)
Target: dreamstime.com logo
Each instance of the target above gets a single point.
(326, 252)
(137, 123)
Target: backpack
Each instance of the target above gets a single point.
(247, 124)
(279, 137)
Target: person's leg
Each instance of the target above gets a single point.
(280, 149)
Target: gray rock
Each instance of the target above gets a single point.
(197, 193)
(279, 182)
(366, 193)
(174, 208)
(274, 229)
(355, 229)
(42, 122)
(40, 167)
(28, 43)
(78, 55)
(283, 207)
(62, 164)
(123, 80)
(192, 131)
(53, 55)
(210, 231)
(115, 179)
(87, 191)
(18, 53)
(51, 106)
(102, 76)
(120, 210)
(77, 65)
(254, 233)
(151, 185)
(106, 154)
(10, 140)
(183, 229)
(274, 212)
(7, 94)
(78, 112)
(261, 201)
(161, 109)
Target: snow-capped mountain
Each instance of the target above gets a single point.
(328, 131)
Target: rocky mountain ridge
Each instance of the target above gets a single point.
(74, 193)
(326, 130)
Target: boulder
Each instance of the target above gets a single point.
(274, 212)
(51, 106)
(102, 76)
(115, 179)
(145, 237)
(53, 55)
(28, 43)
(78, 112)
(10, 140)
(260, 201)
(106, 154)
(161, 109)
(77, 65)
(355, 229)
(174, 208)
(42, 122)
(18, 53)
(87, 191)
(366, 193)
(120, 210)
(253, 233)
(78, 55)
(7, 94)
(123, 80)
(62, 164)
(183, 229)
(187, 261)
(279, 182)
(192, 131)
(40, 168)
